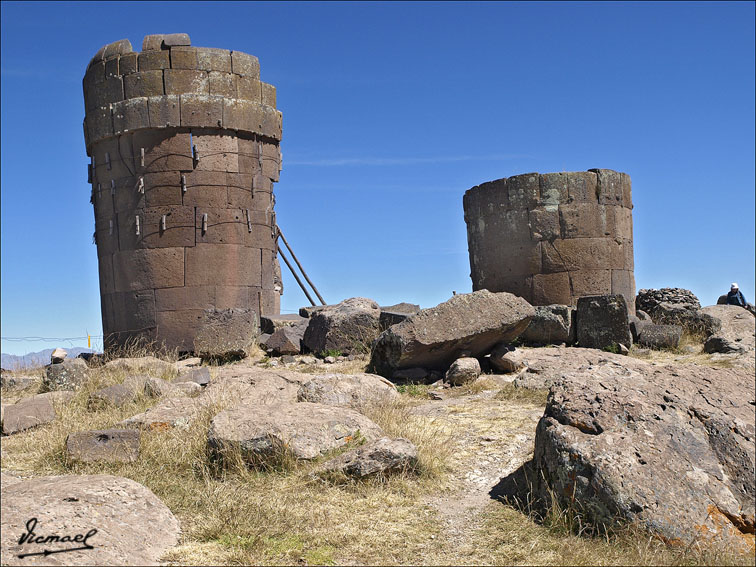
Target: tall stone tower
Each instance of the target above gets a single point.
(554, 237)
(184, 148)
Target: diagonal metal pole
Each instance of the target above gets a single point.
(296, 277)
(320, 297)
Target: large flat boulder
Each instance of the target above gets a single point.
(265, 433)
(736, 333)
(109, 445)
(271, 323)
(66, 375)
(668, 448)
(383, 457)
(33, 411)
(121, 522)
(551, 325)
(179, 412)
(349, 327)
(470, 323)
(602, 322)
(226, 333)
(352, 390)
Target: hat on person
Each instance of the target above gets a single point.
(734, 286)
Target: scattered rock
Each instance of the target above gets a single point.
(463, 370)
(264, 433)
(383, 457)
(199, 375)
(271, 323)
(286, 340)
(117, 517)
(636, 326)
(157, 388)
(188, 363)
(288, 359)
(329, 359)
(136, 383)
(67, 375)
(501, 361)
(436, 395)
(34, 411)
(307, 312)
(602, 322)
(13, 381)
(551, 324)
(58, 355)
(660, 336)
(109, 445)
(168, 413)
(736, 331)
(676, 306)
(353, 390)
(226, 333)
(669, 448)
(117, 395)
(262, 340)
(435, 337)
(351, 326)
(307, 359)
(190, 389)
(642, 315)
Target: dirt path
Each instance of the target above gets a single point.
(493, 438)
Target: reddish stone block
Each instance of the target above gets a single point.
(582, 187)
(153, 60)
(201, 111)
(133, 310)
(163, 188)
(213, 59)
(590, 282)
(268, 94)
(262, 184)
(245, 64)
(164, 111)
(523, 191)
(553, 188)
(148, 268)
(271, 161)
(577, 253)
(249, 88)
(112, 160)
(262, 201)
(178, 231)
(131, 114)
(128, 198)
(216, 152)
(163, 151)
(248, 154)
(239, 198)
(177, 328)
(143, 83)
(184, 58)
(223, 226)
(185, 298)
(205, 189)
(230, 297)
(223, 84)
(552, 288)
(100, 124)
(581, 220)
(207, 264)
(242, 115)
(127, 64)
(544, 224)
(186, 81)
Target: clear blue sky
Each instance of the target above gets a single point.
(391, 111)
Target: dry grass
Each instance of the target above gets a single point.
(688, 351)
(511, 393)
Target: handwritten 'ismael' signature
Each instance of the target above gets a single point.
(31, 537)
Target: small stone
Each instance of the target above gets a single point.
(190, 389)
(382, 457)
(308, 360)
(110, 445)
(157, 387)
(463, 370)
(288, 359)
(329, 359)
(199, 375)
(58, 355)
(501, 362)
(117, 395)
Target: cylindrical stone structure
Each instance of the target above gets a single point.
(552, 237)
(184, 148)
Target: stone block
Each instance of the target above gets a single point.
(152, 42)
(623, 222)
(127, 199)
(239, 181)
(154, 61)
(70, 374)
(164, 111)
(107, 239)
(624, 284)
(523, 191)
(171, 40)
(184, 58)
(591, 282)
(131, 114)
(185, 298)
(215, 152)
(133, 310)
(268, 94)
(95, 74)
(248, 153)
(148, 268)
(163, 151)
(201, 111)
(99, 124)
(551, 289)
(143, 83)
(178, 327)
(245, 65)
(101, 94)
(207, 264)
(553, 189)
(268, 269)
(249, 88)
(544, 224)
(108, 445)
(113, 161)
(242, 115)
(32, 412)
(272, 123)
(260, 183)
(205, 189)
(271, 161)
(162, 188)
(578, 253)
(223, 226)
(213, 59)
(239, 197)
(660, 336)
(103, 202)
(105, 270)
(607, 213)
(611, 186)
(178, 231)
(582, 187)
(602, 321)
(269, 301)
(127, 64)
(223, 84)
(629, 259)
(581, 220)
(225, 333)
(186, 81)
(232, 297)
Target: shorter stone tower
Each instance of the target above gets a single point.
(184, 143)
(553, 237)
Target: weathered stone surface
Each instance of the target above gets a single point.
(552, 324)
(143, 365)
(34, 411)
(190, 389)
(353, 390)
(462, 371)
(602, 321)
(349, 327)
(669, 448)
(286, 340)
(736, 331)
(676, 306)
(271, 323)
(264, 433)
(157, 388)
(109, 445)
(660, 336)
(13, 381)
(501, 360)
(199, 375)
(412, 375)
(408, 308)
(636, 326)
(226, 333)
(435, 337)
(67, 375)
(382, 457)
(58, 355)
(123, 521)
(170, 412)
(116, 395)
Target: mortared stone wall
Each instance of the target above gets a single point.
(184, 148)
(553, 237)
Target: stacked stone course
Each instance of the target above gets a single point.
(184, 148)
(552, 238)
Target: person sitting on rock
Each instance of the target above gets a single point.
(734, 297)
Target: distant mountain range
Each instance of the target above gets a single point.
(17, 362)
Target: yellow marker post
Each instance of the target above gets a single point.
(89, 341)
